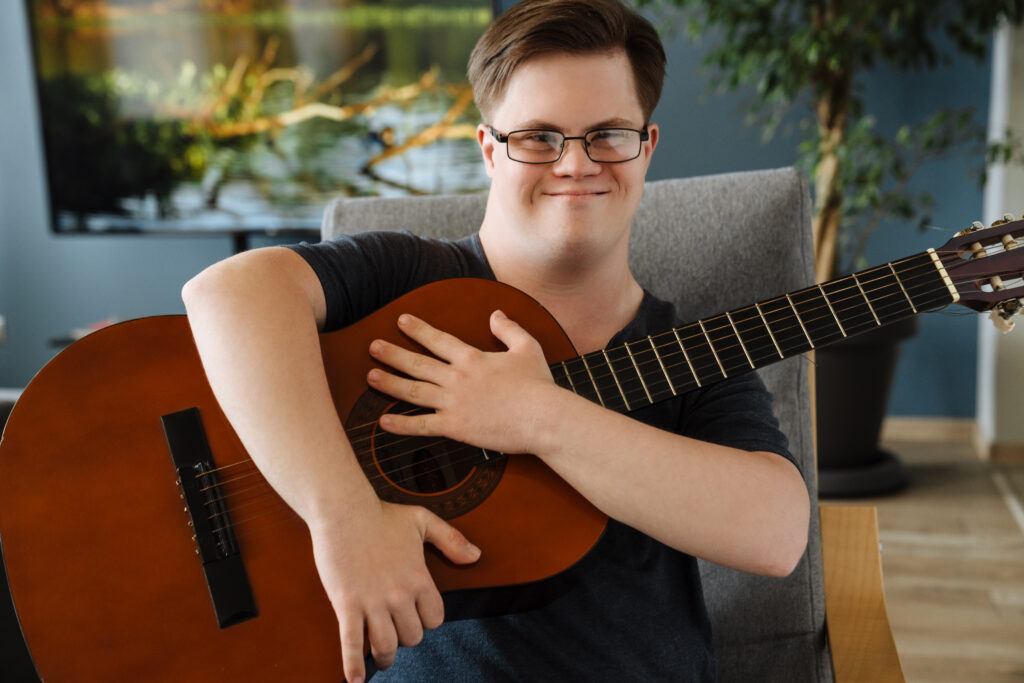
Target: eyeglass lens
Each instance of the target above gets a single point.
(545, 146)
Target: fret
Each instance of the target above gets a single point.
(629, 381)
(786, 328)
(852, 313)
(802, 326)
(639, 374)
(567, 382)
(752, 330)
(729, 352)
(654, 350)
(615, 377)
(740, 339)
(909, 301)
(712, 347)
(597, 389)
(866, 300)
(818, 321)
(830, 308)
(883, 290)
(579, 374)
(768, 327)
(686, 355)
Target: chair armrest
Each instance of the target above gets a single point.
(859, 635)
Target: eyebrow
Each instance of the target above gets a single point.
(540, 124)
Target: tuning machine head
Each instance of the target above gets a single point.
(978, 225)
(1003, 311)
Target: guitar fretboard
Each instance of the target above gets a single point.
(661, 366)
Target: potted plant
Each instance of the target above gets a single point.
(811, 55)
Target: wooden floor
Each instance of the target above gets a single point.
(953, 563)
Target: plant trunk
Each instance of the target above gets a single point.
(832, 107)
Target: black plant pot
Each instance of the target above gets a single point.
(853, 380)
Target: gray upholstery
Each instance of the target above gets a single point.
(709, 244)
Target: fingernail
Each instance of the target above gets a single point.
(473, 550)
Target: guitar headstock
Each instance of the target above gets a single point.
(986, 266)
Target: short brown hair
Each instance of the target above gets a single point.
(532, 28)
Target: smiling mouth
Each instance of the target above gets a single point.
(576, 195)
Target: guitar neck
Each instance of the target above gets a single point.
(662, 366)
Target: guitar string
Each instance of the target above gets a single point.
(707, 357)
(641, 392)
(398, 474)
(475, 450)
(602, 371)
(584, 375)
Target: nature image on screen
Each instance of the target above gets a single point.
(249, 115)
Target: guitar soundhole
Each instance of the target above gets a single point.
(421, 465)
(447, 477)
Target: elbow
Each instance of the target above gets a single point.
(789, 544)
(201, 287)
(785, 559)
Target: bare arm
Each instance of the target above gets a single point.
(744, 510)
(255, 318)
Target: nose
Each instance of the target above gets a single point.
(575, 161)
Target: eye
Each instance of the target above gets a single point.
(542, 137)
(609, 135)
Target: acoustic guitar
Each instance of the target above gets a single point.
(141, 542)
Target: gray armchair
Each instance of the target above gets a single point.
(712, 244)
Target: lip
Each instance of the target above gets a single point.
(577, 195)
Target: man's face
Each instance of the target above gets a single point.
(575, 207)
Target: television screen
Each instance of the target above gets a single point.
(249, 115)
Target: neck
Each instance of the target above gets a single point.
(591, 298)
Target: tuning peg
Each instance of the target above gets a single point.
(975, 226)
(1003, 311)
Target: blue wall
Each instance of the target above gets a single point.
(49, 284)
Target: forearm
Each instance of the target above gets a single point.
(741, 509)
(256, 332)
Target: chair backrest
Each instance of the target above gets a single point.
(709, 244)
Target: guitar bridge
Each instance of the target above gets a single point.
(216, 543)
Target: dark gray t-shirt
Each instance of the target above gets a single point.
(635, 610)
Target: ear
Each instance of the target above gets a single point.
(487, 145)
(652, 142)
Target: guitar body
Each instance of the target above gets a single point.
(97, 541)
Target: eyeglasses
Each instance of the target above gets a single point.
(603, 145)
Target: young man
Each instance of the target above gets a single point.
(566, 89)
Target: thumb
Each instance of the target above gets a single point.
(449, 540)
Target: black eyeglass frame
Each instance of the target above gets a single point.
(503, 138)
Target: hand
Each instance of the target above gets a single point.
(489, 400)
(373, 570)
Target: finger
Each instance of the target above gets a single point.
(352, 648)
(407, 624)
(409, 362)
(449, 540)
(443, 345)
(411, 425)
(383, 639)
(511, 333)
(418, 393)
(431, 609)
